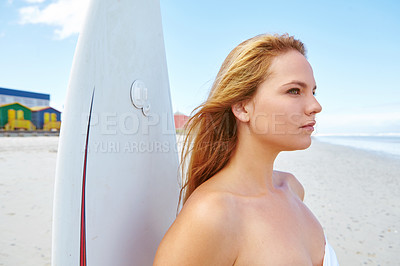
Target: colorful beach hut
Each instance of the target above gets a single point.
(15, 116)
(46, 118)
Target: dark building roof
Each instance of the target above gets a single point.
(27, 94)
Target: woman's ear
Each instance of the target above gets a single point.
(240, 111)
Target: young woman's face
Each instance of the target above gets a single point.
(284, 103)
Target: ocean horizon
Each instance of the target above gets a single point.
(387, 144)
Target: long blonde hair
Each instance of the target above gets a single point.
(211, 132)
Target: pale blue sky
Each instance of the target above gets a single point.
(353, 47)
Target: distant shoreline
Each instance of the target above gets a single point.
(385, 145)
(28, 133)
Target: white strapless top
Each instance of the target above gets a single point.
(330, 256)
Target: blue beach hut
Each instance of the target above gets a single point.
(46, 118)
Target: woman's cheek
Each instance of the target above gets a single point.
(260, 124)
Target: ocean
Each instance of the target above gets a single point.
(388, 145)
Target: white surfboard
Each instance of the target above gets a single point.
(116, 188)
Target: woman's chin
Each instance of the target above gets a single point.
(305, 143)
(298, 143)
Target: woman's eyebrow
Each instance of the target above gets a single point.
(300, 83)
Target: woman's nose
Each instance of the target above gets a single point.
(313, 106)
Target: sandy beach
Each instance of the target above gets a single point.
(27, 170)
(355, 194)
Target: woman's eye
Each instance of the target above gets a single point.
(294, 91)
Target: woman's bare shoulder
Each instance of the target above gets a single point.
(293, 183)
(206, 224)
(210, 207)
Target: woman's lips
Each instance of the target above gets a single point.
(309, 126)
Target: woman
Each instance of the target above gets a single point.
(236, 209)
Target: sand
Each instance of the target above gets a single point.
(27, 169)
(355, 195)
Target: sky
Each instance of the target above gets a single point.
(353, 47)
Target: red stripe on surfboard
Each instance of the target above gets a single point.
(83, 259)
(83, 218)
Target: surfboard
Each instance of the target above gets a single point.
(116, 186)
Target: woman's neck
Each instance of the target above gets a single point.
(252, 163)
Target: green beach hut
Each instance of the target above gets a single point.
(16, 116)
